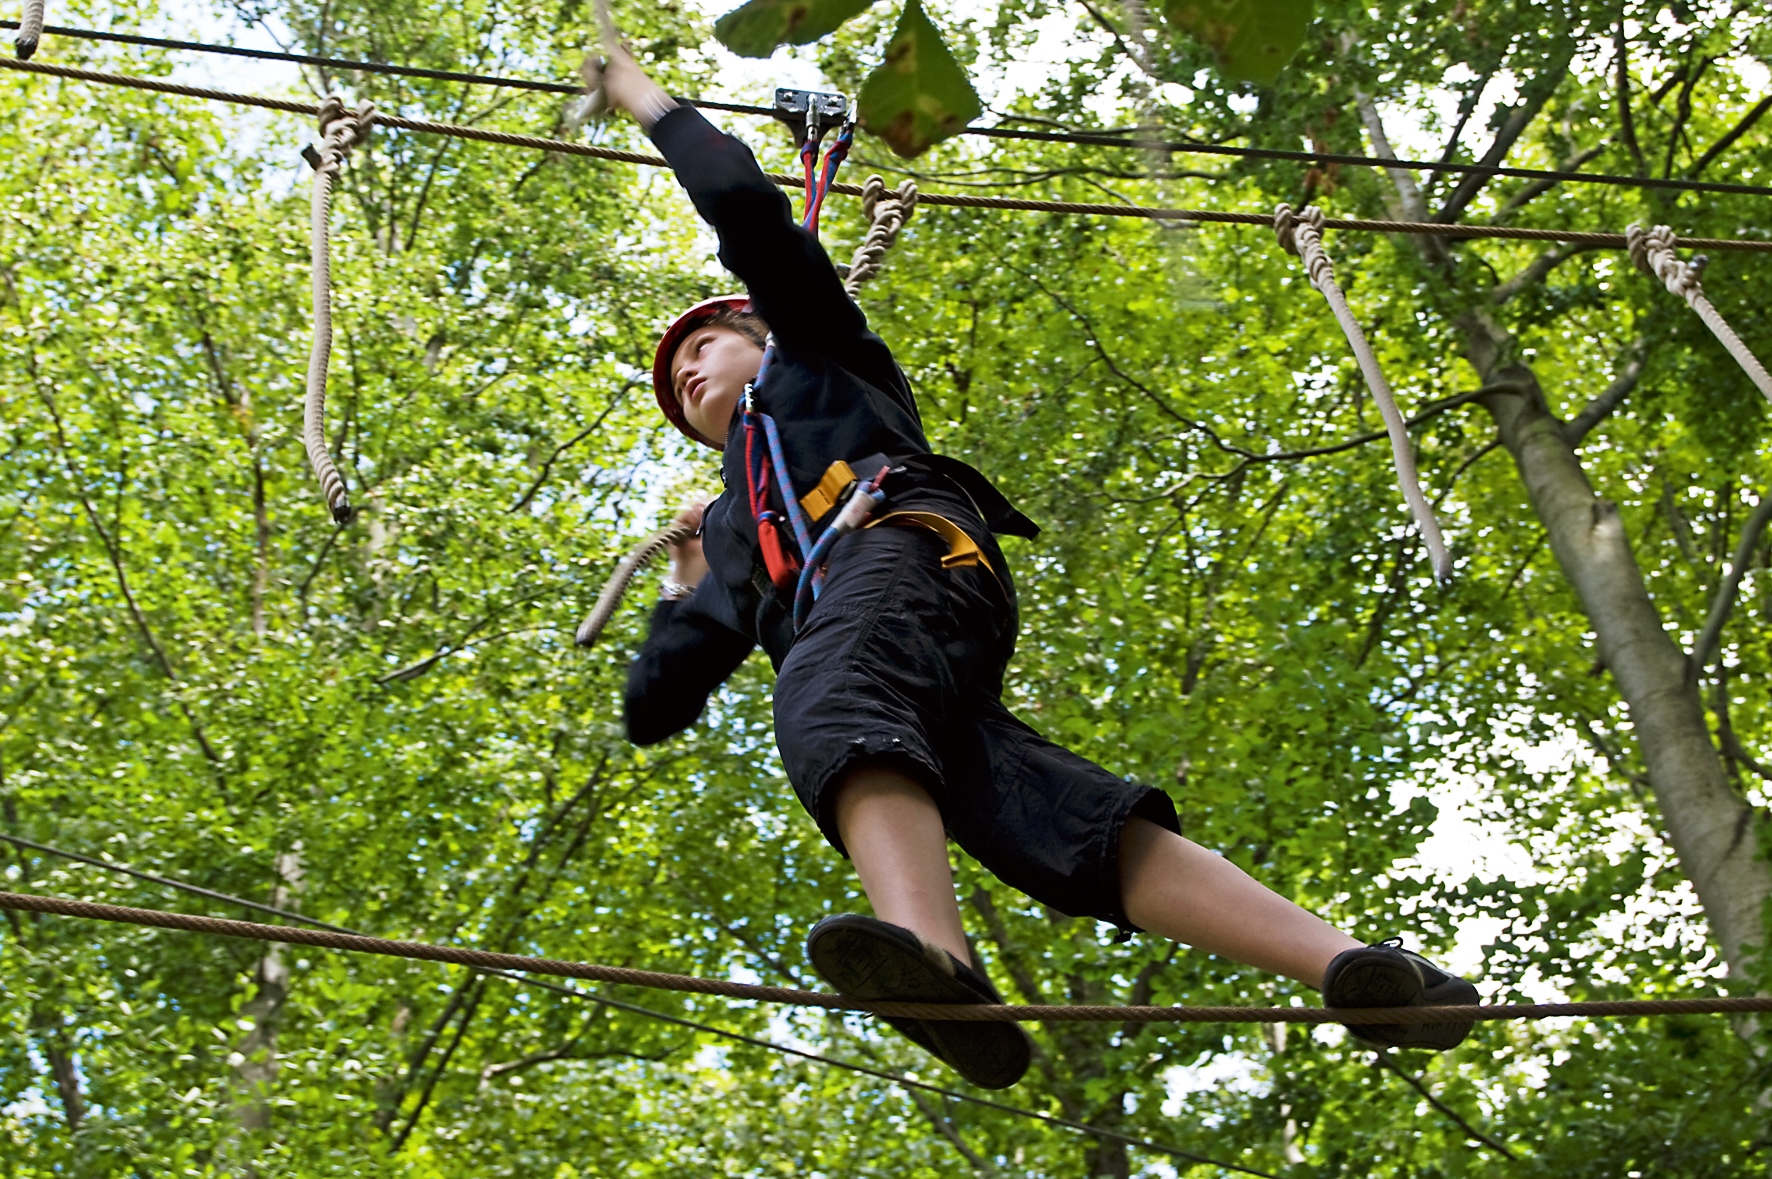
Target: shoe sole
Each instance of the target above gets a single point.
(869, 963)
(1387, 981)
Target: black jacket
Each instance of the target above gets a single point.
(835, 393)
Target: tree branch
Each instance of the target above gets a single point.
(547, 467)
(1414, 206)
(1627, 125)
(1476, 1135)
(1538, 188)
(946, 1129)
(1534, 272)
(1535, 94)
(1728, 140)
(1724, 603)
(1601, 407)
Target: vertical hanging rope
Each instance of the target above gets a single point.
(1653, 252)
(340, 131)
(887, 211)
(30, 30)
(1301, 233)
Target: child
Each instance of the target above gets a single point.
(887, 696)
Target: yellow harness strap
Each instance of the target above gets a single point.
(962, 549)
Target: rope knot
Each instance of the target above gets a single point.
(1652, 251)
(341, 129)
(1301, 232)
(887, 211)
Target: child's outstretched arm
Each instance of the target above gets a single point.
(790, 278)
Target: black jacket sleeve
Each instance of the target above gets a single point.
(686, 656)
(790, 278)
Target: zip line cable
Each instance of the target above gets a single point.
(659, 980)
(1614, 241)
(1079, 138)
(650, 1013)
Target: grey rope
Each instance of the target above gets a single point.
(1653, 252)
(481, 959)
(617, 585)
(30, 30)
(1301, 233)
(887, 211)
(1609, 241)
(340, 131)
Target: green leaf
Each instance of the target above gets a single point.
(919, 95)
(1253, 39)
(755, 29)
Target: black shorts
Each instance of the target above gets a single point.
(902, 661)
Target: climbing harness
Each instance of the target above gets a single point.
(887, 211)
(340, 131)
(1653, 252)
(625, 572)
(863, 501)
(1301, 232)
(30, 30)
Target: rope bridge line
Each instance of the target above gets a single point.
(1613, 241)
(1083, 138)
(659, 980)
(902, 1082)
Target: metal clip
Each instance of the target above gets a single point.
(806, 111)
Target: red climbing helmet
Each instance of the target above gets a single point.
(674, 335)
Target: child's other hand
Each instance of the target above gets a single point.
(688, 566)
(628, 88)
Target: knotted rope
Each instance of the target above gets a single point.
(617, 585)
(340, 131)
(1653, 252)
(1301, 232)
(887, 211)
(481, 959)
(30, 30)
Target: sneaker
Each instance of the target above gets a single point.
(865, 958)
(1387, 975)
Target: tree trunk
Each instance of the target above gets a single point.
(1710, 827)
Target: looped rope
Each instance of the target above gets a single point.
(340, 131)
(887, 210)
(617, 585)
(1653, 252)
(30, 30)
(1301, 232)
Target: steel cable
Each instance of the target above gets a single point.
(1080, 138)
(659, 980)
(680, 1021)
(1613, 241)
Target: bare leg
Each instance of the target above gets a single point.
(894, 836)
(1176, 888)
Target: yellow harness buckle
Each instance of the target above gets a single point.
(821, 499)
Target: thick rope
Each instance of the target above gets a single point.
(1612, 241)
(887, 211)
(1653, 252)
(340, 131)
(30, 30)
(1301, 233)
(481, 959)
(617, 585)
